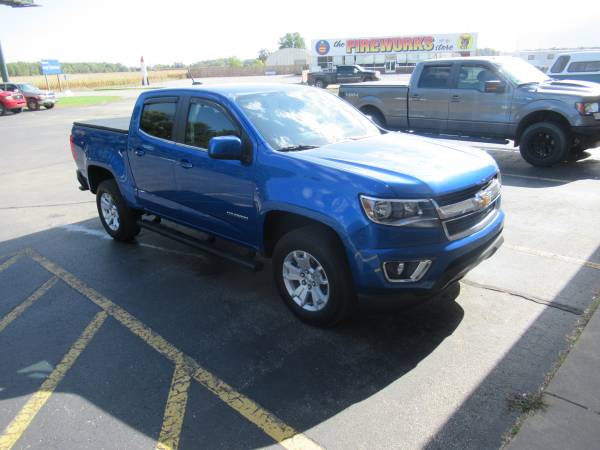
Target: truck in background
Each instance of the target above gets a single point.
(488, 97)
(342, 74)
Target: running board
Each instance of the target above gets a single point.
(156, 227)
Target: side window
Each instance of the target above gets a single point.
(435, 77)
(158, 118)
(584, 66)
(474, 77)
(560, 64)
(206, 121)
(344, 70)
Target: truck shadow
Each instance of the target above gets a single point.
(231, 321)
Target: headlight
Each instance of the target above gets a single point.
(585, 109)
(414, 213)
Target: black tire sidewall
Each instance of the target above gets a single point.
(559, 136)
(128, 226)
(2, 110)
(33, 105)
(322, 246)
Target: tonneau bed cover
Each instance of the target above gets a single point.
(116, 124)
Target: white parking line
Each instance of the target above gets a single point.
(569, 259)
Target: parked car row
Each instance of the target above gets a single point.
(15, 96)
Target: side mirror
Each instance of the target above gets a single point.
(225, 147)
(494, 86)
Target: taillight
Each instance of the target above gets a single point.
(72, 142)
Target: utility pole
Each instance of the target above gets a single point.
(3, 69)
(13, 4)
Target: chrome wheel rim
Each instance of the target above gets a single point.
(305, 280)
(110, 214)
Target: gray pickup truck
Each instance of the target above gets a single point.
(488, 97)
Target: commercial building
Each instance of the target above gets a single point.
(289, 57)
(392, 53)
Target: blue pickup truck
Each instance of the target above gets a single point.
(345, 209)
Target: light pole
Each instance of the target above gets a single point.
(13, 4)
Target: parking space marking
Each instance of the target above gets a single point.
(23, 419)
(271, 425)
(531, 177)
(545, 254)
(10, 261)
(18, 310)
(175, 408)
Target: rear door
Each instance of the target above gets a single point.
(473, 111)
(428, 99)
(217, 195)
(151, 155)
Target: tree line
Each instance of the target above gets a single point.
(23, 68)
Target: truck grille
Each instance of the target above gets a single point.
(456, 197)
(470, 223)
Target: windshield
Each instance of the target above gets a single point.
(520, 72)
(304, 117)
(26, 87)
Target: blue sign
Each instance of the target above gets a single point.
(51, 67)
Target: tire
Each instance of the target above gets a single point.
(315, 256)
(544, 144)
(375, 115)
(32, 104)
(2, 109)
(49, 106)
(16, 110)
(111, 206)
(320, 84)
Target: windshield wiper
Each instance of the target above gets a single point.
(297, 148)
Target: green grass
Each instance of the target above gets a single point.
(86, 100)
(128, 88)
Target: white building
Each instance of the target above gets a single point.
(391, 53)
(289, 57)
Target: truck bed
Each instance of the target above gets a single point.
(116, 124)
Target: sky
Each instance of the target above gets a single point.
(188, 31)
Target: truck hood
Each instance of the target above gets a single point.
(407, 165)
(569, 87)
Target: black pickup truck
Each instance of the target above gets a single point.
(342, 74)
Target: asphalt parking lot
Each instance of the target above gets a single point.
(151, 344)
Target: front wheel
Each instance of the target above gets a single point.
(2, 109)
(312, 275)
(32, 104)
(544, 144)
(119, 221)
(16, 110)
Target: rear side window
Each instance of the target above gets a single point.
(158, 118)
(435, 77)
(584, 66)
(560, 64)
(206, 121)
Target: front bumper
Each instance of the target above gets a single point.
(451, 260)
(14, 104)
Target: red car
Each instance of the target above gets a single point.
(11, 101)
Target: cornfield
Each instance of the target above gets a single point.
(101, 80)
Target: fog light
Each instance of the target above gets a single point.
(405, 271)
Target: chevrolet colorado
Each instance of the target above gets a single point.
(343, 208)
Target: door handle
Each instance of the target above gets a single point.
(455, 98)
(417, 98)
(140, 152)
(186, 164)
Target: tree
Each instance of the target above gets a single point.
(263, 54)
(234, 61)
(291, 40)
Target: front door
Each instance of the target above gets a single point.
(151, 155)
(390, 66)
(428, 99)
(473, 111)
(217, 195)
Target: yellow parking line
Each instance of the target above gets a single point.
(19, 424)
(175, 409)
(263, 419)
(10, 261)
(569, 259)
(17, 311)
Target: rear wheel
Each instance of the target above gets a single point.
(312, 275)
(544, 144)
(49, 106)
(320, 84)
(375, 115)
(32, 104)
(119, 221)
